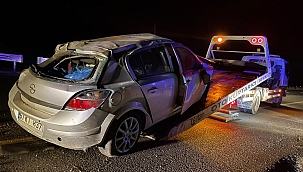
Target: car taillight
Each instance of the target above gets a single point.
(88, 99)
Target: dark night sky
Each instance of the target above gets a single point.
(34, 29)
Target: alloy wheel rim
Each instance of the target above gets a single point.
(127, 134)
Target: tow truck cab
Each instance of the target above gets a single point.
(279, 69)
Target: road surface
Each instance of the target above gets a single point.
(271, 140)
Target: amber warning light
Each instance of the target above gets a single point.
(219, 39)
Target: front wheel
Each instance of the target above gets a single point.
(204, 95)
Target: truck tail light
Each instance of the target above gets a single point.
(87, 99)
(257, 40)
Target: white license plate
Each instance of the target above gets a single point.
(30, 122)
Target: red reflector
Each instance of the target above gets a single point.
(257, 40)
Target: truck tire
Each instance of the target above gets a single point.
(278, 101)
(256, 103)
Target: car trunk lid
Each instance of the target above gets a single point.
(46, 95)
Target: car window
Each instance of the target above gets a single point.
(188, 60)
(73, 67)
(137, 66)
(149, 62)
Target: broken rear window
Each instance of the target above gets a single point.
(71, 67)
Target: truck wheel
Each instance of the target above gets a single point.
(278, 102)
(256, 103)
(122, 136)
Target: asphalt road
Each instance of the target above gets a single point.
(271, 140)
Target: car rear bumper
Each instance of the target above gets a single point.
(76, 130)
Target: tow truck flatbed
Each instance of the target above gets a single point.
(225, 82)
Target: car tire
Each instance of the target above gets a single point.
(204, 95)
(125, 133)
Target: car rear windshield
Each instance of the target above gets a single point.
(74, 67)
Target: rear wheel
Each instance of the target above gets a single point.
(278, 101)
(126, 132)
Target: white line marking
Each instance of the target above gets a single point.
(292, 103)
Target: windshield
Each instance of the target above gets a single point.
(70, 66)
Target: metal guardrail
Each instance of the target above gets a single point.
(17, 58)
(295, 88)
(12, 58)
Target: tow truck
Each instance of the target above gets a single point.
(272, 90)
(231, 80)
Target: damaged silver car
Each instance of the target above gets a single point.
(107, 91)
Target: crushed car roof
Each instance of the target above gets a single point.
(125, 42)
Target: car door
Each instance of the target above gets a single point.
(193, 86)
(158, 83)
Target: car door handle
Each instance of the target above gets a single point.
(152, 90)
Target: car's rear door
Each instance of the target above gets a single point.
(158, 83)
